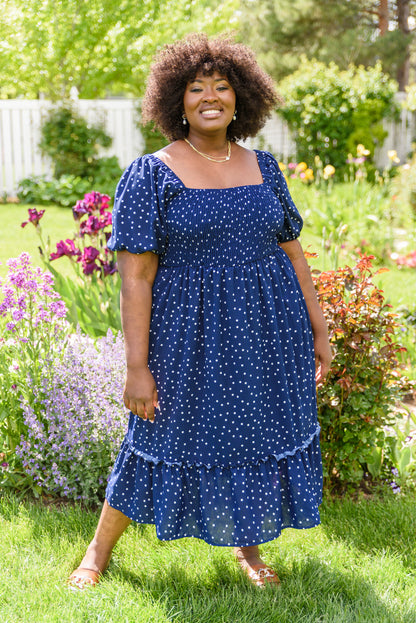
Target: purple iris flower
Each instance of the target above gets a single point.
(34, 217)
(65, 247)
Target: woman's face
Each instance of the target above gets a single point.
(209, 104)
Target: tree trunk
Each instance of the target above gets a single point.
(383, 16)
(403, 14)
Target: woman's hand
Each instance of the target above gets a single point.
(140, 393)
(323, 357)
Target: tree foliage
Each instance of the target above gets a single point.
(342, 32)
(99, 46)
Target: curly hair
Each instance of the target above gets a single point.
(178, 63)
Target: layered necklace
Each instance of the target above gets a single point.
(220, 159)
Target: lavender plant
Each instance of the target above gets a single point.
(32, 331)
(69, 450)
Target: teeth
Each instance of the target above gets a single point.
(213, 111)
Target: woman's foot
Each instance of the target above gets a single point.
(258, 572)
(110, 527)
(92, 567)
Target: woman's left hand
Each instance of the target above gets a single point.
(323, 357)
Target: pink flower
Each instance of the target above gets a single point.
(34, 217)
(65, 247)
(94, 224)
(109, 268)
(79, 209)
(88, 260)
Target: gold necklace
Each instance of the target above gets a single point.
(220, 159)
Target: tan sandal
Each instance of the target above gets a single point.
(83, 578)
(262, 575)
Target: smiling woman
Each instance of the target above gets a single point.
(224, 336)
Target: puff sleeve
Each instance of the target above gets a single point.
(293, 221)
(138, 213)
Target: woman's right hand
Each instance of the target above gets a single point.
(140, 393)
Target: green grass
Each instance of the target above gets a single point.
(398, 284)
(57, 223)
(359, 566)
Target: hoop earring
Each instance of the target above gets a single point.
(184, 119)
(235, 115)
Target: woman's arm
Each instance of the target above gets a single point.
(138, 272)
(323, 355)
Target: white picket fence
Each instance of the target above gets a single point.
(21, 120)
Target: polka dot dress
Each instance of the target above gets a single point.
(233, 455)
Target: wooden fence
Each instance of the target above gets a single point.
(20, 123)
(21, 120)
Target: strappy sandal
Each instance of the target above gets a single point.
(83, 578)
(261, 575)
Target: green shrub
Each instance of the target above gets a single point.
(65, 190)
(71, 142)
(358, 397)
(153, 138)
(331, 111)
(106, 175)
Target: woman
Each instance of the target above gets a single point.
(224, 336)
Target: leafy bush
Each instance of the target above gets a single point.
(331, 111)
(71, 142)
(363, 386)
(153, 138)
(77, 420)
(106, 175)
(92, 295)
(65, 190)
(32, 330)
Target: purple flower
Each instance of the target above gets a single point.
(93, 203)
(94, 224)
(10, 326)
(109, 268)
(76, 427)
(65, 247)
(79, 209)
(88, 260)
(34, 217)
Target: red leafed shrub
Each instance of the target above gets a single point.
(357, 399)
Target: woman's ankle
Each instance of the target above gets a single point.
(248, 553)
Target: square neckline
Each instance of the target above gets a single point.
(263, 183)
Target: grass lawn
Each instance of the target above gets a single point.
(358, 566)
(57, 223)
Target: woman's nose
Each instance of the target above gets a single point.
(210, 95)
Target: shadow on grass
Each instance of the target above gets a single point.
(194, 583)
(311, 592)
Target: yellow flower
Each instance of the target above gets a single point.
(282, 166)
(329, 170)
(308, 175)
(302, 166)
(318, 161)
(362, 151)
(392, 154)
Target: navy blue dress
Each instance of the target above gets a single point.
(233, 455)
